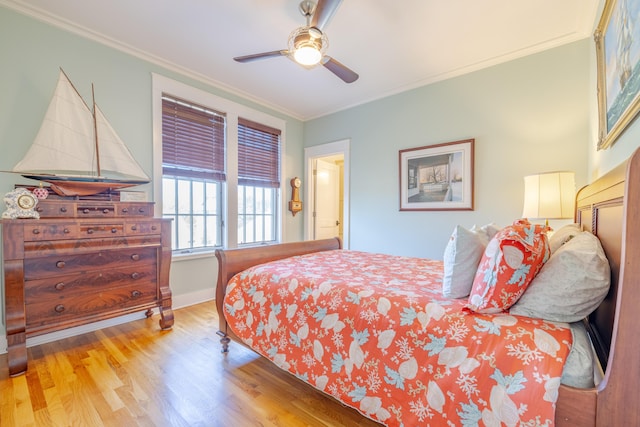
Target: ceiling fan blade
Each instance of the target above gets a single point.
(340, 70)
(258, 56)
(325, 9)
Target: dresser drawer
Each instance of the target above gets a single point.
(63, 264)
(52, 288)
(132, 209)
(40, 231)
(89, 304)
(143, 227)
(51, 209)
(94, 230)
(44, 248)
(106, 210)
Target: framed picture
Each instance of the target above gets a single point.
(617, 40)
(437, 177)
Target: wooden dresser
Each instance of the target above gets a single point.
(81, 262)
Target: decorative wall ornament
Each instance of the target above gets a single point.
(437, 177)
(617, 40)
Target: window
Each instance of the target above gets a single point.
(193, 154)
(258, 181)
(220, 164)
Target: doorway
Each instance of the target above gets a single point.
(327, 191)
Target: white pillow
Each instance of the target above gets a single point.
(490, 229)
(562, 236)
(571, 284)
(578, 369)
(461, 258)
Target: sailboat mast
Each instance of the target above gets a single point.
(93, 113)
(95, 130)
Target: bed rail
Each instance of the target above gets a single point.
(233, 261)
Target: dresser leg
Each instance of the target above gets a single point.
(17, 354)
(166, 313)
(166, 318)
(148, 313)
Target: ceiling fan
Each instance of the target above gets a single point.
(308, 44)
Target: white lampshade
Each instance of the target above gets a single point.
(549, 195)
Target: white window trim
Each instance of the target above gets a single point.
(233, 110)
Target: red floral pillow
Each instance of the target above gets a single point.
(511, 260)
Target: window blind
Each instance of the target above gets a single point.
(193, 140)
(258, 154)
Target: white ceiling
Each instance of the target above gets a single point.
(394, 45)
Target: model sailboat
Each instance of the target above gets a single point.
(77, 151)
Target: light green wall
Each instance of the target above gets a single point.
(529, 115)
(31, 53)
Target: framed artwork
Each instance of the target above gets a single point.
(617, 40)
(437, 177)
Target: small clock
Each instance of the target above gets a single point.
(20, 203)
(26, 201)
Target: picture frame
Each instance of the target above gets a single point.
(437, 177)
(617, 39)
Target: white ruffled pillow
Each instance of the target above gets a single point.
(571, 284)
(461, 258)
(490, 229)
(562, 236)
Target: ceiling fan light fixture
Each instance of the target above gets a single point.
(307, 49)
(307, 54)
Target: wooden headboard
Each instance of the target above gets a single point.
(600, 210)
(610, 208)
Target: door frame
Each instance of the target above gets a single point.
(341, 147)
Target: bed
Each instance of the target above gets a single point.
(608, 209)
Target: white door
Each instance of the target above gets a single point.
(327, 213)
(333, 151)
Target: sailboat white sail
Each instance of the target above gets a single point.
(77, 151)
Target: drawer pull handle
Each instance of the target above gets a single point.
(63, 209)
(135, 276)
(85, 210)
(105, 211)
(134, 227)
(36, 231)
(66, 231)
(114, 230)
(135, 257)
(59, 308)
(135, 294)
(60, 264)
(125, 210)
(39, 209)
(141, 210)
(59, 286)
(154, 228)
(90, 231)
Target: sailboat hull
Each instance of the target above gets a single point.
(83, 186)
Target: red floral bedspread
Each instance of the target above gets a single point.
(375, 332)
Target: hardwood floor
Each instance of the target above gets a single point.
(134, 374)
